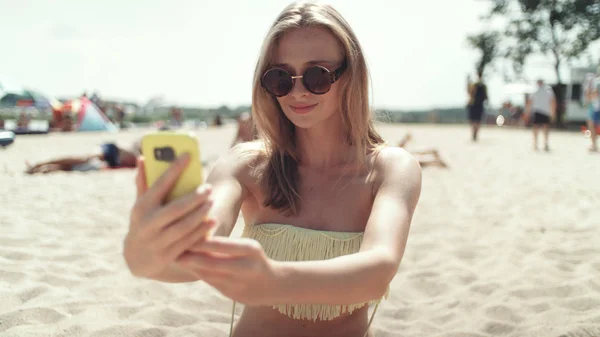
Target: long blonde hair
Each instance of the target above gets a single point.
(280, 176)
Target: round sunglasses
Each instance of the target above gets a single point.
(316, 79)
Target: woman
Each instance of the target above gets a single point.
(319, 186)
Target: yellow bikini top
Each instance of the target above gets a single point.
(291, 243)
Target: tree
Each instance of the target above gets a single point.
(487, 44)
(560, 29)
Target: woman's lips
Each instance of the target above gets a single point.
(303, 108)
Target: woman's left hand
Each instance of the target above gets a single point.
(237, 267)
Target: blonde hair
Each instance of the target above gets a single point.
(280, 176)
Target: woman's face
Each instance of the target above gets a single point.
(296, 51)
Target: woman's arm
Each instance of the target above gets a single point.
(228, 190)
(365, 275)
(240, 269)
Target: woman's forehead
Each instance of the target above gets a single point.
(308, 45)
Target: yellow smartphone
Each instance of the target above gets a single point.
(161, 148)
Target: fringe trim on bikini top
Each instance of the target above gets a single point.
(290, 243)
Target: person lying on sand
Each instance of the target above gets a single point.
(427, 157)
(110, 156)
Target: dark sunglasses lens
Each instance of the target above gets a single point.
(278, 82)
(317, 80)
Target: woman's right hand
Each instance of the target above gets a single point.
(159, 233)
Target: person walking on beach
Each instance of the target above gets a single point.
(478, 95)
(541, 110)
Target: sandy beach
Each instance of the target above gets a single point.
(505, 242)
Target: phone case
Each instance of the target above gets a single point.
(161, 148)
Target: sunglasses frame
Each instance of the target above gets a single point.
(333, 77)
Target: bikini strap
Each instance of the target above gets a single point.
(371, 319)
(232, 316)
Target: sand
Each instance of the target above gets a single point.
(503, 243)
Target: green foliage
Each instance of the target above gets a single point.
(561, 29)
(487, 44)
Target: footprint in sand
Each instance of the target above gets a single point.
(30, 294)
(424, 274)
(11, 277)
(16, 256)
(169, 317)
(498, 328)
(565, 267)
(583, 303)
(51, 245)
(150, 332)
(594, 286)
(567, 291)
(126, 312)
(215, 316)
(485, 289)
(503, 313)
(29, 317)
(74, 330)
(10, 242)
(59, 281)
(460, 334)
(594, 320)
(540, 307)
(531, 293)
(467, 278)
(466, 255)
(189, 304)
(402, 313)
(444, 318)
(427, 282)
(583, 332)
(129, 331)
(96, 273)
(431, 288)
(67, 258)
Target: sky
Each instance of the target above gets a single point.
(203, 53)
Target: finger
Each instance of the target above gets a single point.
(230, 246)
(159, 191)
(140, 179)
(174, 231)
(180, 207)
(180, 246)
(204, 263)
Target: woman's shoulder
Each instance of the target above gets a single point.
(392, 155)
(393, 163)
(242, 158)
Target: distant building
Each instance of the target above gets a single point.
(576, 109)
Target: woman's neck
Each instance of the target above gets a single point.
(323, 146)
